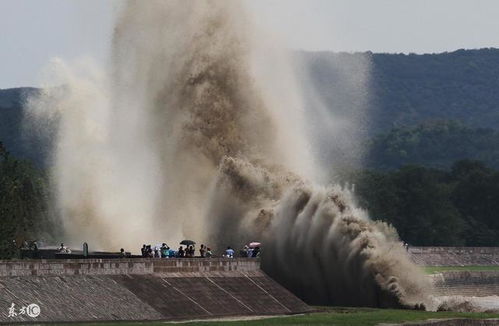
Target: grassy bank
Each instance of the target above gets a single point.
(333, 316)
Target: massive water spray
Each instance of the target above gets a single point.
(197, 131)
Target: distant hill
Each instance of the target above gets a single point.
(461, 85)
(402, 106)
(12, 134)
(405, 106)
(407, 89)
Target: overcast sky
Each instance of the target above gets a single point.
(34, 31)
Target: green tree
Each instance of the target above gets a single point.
(24, 198)
(476, 195)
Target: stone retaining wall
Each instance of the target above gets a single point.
(137, 266)
(455, 256)
(465, 283)
(140, 289)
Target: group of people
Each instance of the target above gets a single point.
(250, 252)
(164, 251)
(247, 251)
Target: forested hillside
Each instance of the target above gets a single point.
(435, 207)
(433, 144)
(462, 85)
(428, 109)
(407, 89)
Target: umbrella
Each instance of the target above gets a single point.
(187, 242)
(254, 244)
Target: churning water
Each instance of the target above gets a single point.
(197, 130)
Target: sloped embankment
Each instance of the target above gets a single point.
(141, 289)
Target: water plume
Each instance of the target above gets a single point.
(188, 136)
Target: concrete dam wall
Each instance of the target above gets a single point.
(140, 289)
(455, 256)
(465, 283)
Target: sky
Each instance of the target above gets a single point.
(34, 31)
